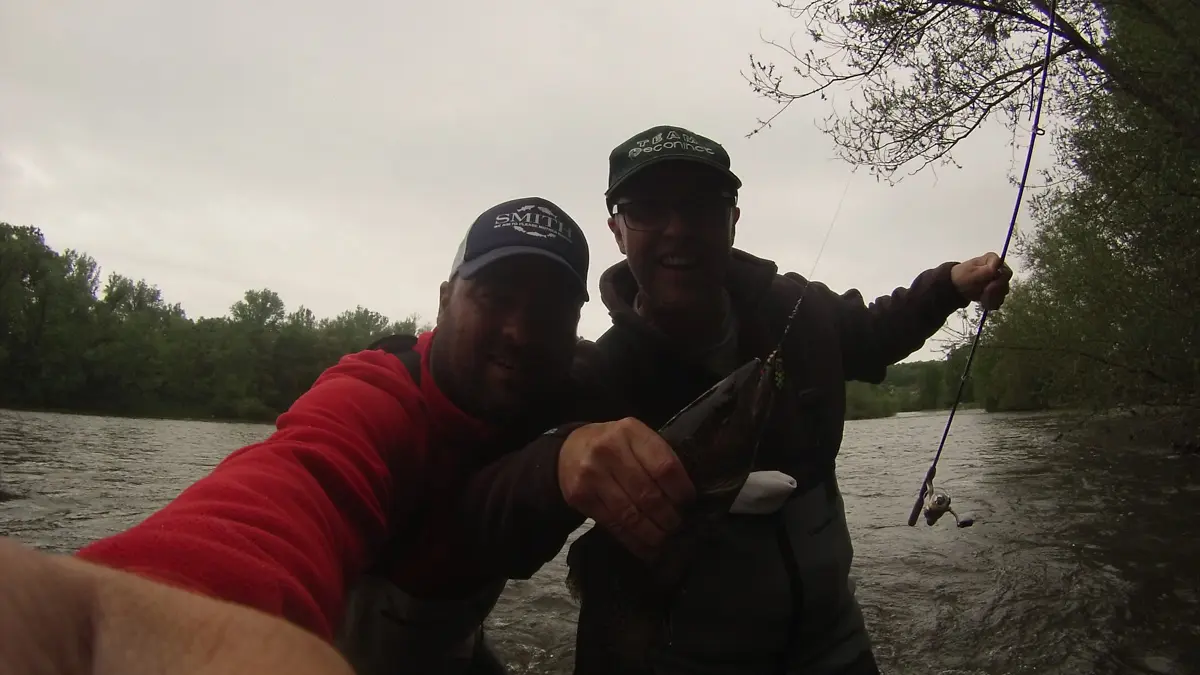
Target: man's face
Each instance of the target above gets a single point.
(509, 333)
(674, 222)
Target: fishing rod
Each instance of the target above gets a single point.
(940, 502)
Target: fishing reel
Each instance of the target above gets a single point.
(937, 504)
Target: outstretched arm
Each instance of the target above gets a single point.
(878, 335)
(882, 333)
(282, 524)
(514, 512)
(70, 617)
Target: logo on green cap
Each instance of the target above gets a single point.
(674, 140)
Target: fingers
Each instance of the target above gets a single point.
(595, 467)
(1006, 272)
(641, 462)
(645, 498)
(992, 271)
(993, 293)
(989, 264)
(619, 514)
(661, 463)
(989, 261)
(625, 476)
(984, 279)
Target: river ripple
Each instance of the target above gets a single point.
(1080, 561)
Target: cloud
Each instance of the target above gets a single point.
(335, 152)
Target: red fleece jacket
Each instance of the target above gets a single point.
(285, 524)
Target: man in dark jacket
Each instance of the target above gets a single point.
(687, 309)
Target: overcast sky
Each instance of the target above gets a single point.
(335, 152)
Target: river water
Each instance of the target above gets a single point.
(1080, 560)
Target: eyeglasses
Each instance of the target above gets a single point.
(709, 211)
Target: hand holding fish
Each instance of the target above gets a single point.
(625, 477)
(983, 279)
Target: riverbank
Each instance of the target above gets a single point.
(851, 415)
(166, 417)
(1172, 427)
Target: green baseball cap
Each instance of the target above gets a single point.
(663, 143)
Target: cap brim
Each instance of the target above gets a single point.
(624, 178)
(472, 267)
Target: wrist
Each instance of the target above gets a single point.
(567, 436)
(950, 293)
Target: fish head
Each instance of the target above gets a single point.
(716, 436)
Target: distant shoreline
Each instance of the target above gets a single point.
(1174, 426)
(234, 420)
(136, 416)
(1177, 427)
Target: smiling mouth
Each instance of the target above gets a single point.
(678, 262)
(504, 364)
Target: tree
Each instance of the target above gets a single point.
(928, 73)
(1107, 315)
(68, 343)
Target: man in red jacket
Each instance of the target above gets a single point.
(344, 521)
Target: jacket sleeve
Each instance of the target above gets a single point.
(282, 524)
(513, 510)
(894, 326)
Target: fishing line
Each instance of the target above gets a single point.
(796, 307)
(941, 502)
(828, 231)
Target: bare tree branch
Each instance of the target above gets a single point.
(925, 74)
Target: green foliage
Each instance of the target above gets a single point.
(1107, 315)
(911, 387)
(70, 342)
(864, 401)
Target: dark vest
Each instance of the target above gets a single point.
(772, 595)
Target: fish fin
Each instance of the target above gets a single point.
(574, 582)
(577, 562)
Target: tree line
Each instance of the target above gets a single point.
(69, 341)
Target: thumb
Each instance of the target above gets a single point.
(992, 263)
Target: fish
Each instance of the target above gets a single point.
(625, 601)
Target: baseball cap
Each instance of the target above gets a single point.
(662, 143)
(526, 226)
